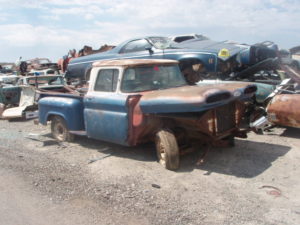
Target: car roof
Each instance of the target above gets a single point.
(134, 62)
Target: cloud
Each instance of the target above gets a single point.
(42, 41)
(68, 24)
(4, 16)
(26, 35)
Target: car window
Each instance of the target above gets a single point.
(136, 46)
(183, 38)
(50, 72)
(56, 81)
(107, 80)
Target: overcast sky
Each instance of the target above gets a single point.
(49, 28)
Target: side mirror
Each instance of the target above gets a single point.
(150, 50)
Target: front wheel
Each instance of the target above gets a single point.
(60, 130)
(167, 149)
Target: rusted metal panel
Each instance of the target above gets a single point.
(183, 99)
(194, 98)
(284, 110)
(225, 116)
(87, 50)
(206, 127)
(200, 113)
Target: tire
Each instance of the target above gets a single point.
(60, 130)
(167, 149)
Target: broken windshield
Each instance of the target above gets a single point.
(161, 42)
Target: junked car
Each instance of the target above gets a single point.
(22, 97)
(43, 72)
(283, 104)
(143, 48)
(140, 100)
(6, 80)
(195, 60)
(9, 93)
(86, 50)
(35, 64)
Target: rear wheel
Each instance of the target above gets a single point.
(60, 130)
(167, 149)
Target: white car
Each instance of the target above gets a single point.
(43, 72)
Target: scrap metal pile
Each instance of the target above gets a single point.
(255, 87)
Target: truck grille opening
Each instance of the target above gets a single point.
(250, 89)
(225, 116)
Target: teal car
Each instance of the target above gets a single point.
(10, 95)
(263, 91)
(9, 91)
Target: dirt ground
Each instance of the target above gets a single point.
(93, 182)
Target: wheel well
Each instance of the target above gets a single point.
(50, 117)
(172, 125)
(185, 63)
(193, 70)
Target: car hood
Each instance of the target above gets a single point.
(210, 46)
(191, 98)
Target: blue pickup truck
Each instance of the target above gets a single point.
(129, 102)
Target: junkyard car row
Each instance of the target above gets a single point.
(188, 92)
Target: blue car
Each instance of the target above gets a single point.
(145, 48)
(215, 62)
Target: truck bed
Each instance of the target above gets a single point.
(65, 91)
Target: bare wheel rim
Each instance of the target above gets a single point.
(59, 131)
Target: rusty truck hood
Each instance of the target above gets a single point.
(191, 98)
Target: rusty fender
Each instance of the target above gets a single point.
(284, 110)
(205, 127)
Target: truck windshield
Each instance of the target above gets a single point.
(152, 77)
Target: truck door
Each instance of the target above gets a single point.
(105, 112)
